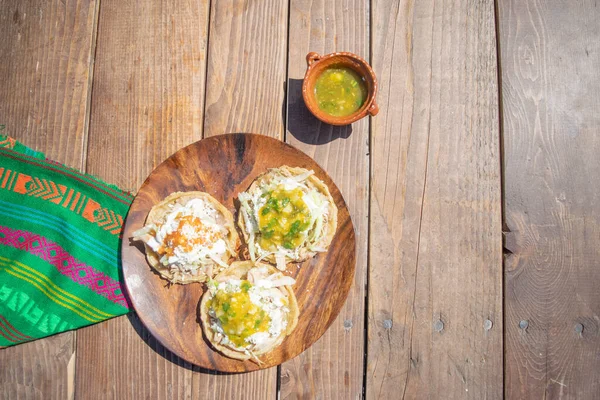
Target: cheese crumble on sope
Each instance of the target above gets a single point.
(192, 238)
(250, 312)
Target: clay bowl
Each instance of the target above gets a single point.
(317, 64)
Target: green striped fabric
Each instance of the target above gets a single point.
(59, 246)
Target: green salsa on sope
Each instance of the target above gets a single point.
(287, 215)
(248, 310)
(283, 219)
(340, 91)
(239, 317)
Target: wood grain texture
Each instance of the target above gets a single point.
(41, 369)
(332, 367)
(246, 67)
(46, 50)
(44, 92)
(148, 86)
(435, 282)
(224, 166)
(147, 102)
(550, 56)
(245, 92)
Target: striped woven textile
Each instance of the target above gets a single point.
(59, 246)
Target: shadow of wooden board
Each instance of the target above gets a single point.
(435, 259)
(147, 102)
(333, 367)
(549, 57)
(46, 50)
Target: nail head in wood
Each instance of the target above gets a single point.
(578, 328)
(438, 325)
(487, 324)
(387, 324)
(523, 324)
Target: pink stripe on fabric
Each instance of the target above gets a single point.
(66, 264)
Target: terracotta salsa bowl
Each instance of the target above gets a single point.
(317, 64)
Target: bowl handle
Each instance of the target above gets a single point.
(374, 109)
(312, 57)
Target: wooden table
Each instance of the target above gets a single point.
(488, 132)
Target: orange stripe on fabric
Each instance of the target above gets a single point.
(75, 200)
(12, 180)
(12, 328)
(8, 143)
(99, 186)
(5, 178)
(68, 198)
(17, 339)
(81, 203)
(6, 337)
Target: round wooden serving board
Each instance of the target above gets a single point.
(224, 166)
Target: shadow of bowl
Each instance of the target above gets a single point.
(303, 125)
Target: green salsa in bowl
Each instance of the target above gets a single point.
(339, 88)
(340, 91)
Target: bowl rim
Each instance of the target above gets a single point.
(370, 106)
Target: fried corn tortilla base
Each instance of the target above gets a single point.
(158, 213)
(313, 183)
(239, 270)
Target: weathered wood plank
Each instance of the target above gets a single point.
(334, 366)
(147, 102)
(246, 67)
(46, 51)
(41, 369)
(550, 56)
(245, 92)
(435, 283)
